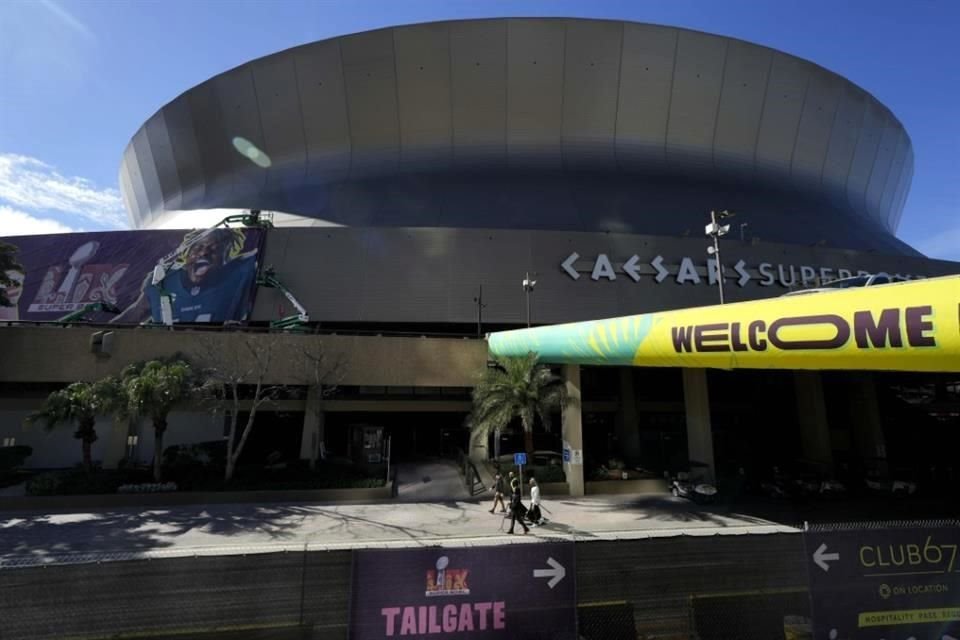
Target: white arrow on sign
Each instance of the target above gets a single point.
(630, 267)
(555, 574)
(744, 276)
(657, 263)
(567, 265)
(820, 557)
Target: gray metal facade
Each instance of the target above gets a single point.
(560, 124)
(424, 276)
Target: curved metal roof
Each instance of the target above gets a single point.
(516, 96)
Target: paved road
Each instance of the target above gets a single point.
(30, 539)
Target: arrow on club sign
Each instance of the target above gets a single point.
(821, 557)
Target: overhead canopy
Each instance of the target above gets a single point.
(910, 326)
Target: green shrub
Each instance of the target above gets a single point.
(74, 482)
(45, 484)
(13, 457)
(197, 466)
(299, 476)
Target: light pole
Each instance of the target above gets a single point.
(528, 286)
(715, 230)
(480, 306)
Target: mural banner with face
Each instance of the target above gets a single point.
(209, 275)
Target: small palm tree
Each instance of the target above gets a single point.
(516, 388)
(153, 389)
(79, 404)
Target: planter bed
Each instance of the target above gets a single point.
(645, 486)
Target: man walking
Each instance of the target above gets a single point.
(498, 494)
(536, 518)
(516, 507)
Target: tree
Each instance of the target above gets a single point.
(79, 404)
(516, 388)
(235, 375)
(153, 389)
(7, 263)
(320, 374)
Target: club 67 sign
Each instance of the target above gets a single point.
(689, 271)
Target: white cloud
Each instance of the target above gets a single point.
(67, 18)
(192, 219)
(20, 223)
(944, 245)
(34, 186)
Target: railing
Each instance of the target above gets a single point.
(241, 328)
(471, 477)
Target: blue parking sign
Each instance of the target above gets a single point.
(519, 459)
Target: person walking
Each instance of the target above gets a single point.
(498, 491)
(517, 509)
(535, 517)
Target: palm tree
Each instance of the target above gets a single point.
(516, 388)
(79, 403)
(152, 389)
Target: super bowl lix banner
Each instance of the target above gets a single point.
(204, 276)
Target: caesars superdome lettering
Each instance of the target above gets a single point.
(688, 271)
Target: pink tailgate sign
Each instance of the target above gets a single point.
(523, 591)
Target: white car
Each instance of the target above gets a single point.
(853, 282)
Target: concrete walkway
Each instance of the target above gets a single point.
(430, 480)
(122, 534)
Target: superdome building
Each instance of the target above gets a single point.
(432, 159)
(418, 175)
(545, 125)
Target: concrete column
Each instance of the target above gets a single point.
(573, 430)
(628, 429)
(812, 416)
(479, 448)
(865, 417)
(313, 426)
(114, 442)
(696, 401)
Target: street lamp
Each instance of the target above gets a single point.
(715, 230)
(528, 286)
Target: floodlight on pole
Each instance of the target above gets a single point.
(715, 231)
(528, 285)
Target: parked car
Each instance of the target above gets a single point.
(691, 484)
(880, 478)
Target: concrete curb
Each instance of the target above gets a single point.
(188, 498)
(18, 561)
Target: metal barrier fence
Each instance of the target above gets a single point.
(656, 588)
(695, 587)
(468, 471)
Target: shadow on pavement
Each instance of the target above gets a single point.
(47, 536)
(665, 508)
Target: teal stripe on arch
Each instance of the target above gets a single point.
(613, 341)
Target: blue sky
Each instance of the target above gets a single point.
(78, 77)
